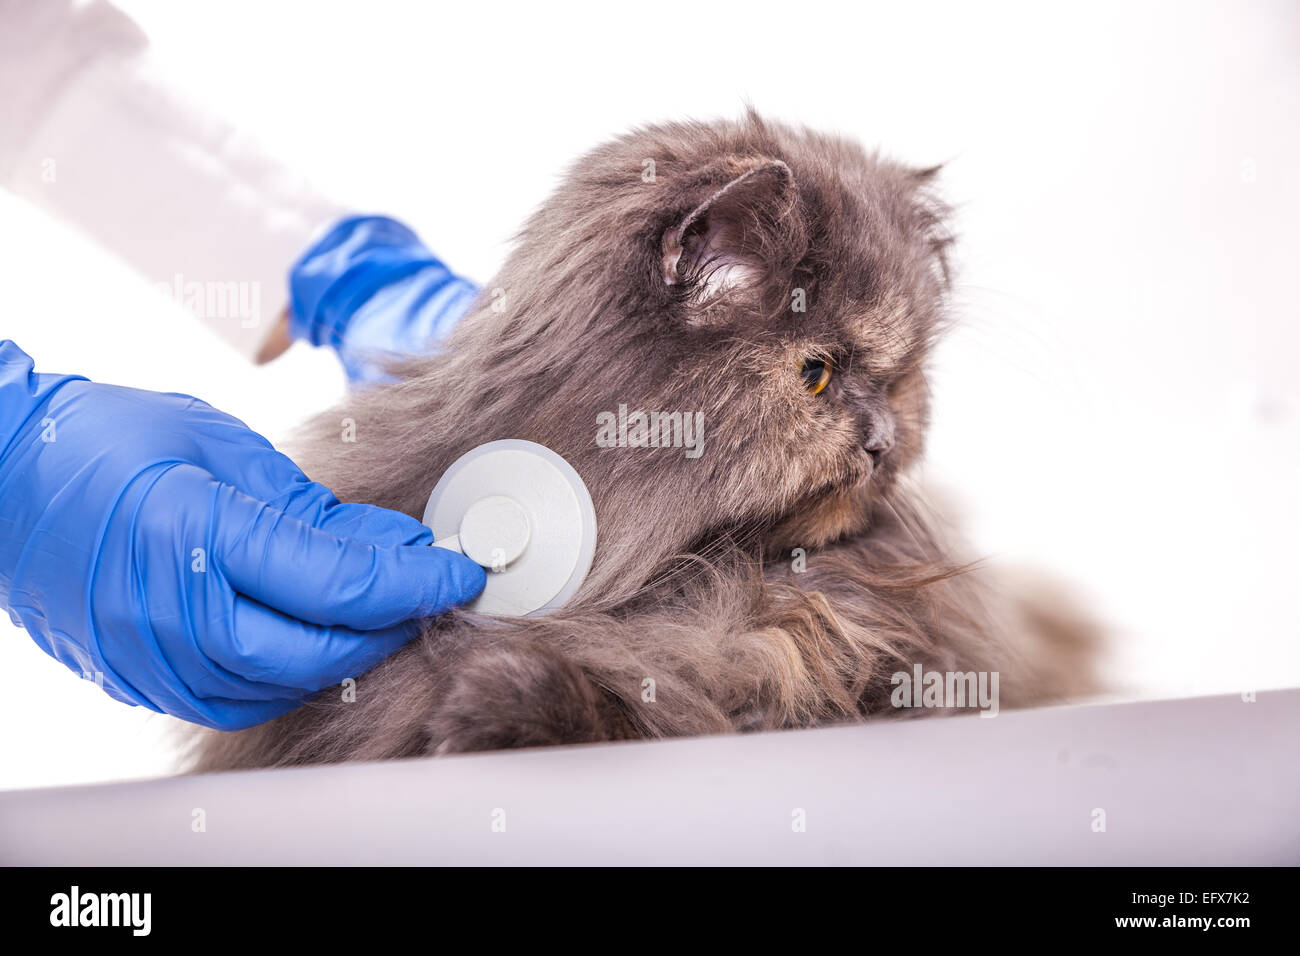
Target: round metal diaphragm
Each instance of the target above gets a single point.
(522, 512)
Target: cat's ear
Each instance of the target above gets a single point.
(731, 238)
(926, 176)
(932, 216)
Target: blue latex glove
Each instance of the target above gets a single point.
(160, 543)
(371, 290)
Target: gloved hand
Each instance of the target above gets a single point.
(160, 543)
(371, 290)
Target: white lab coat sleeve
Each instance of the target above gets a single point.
(92, 133)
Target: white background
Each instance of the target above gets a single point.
(1118, 406)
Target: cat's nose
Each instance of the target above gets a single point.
(878, 431)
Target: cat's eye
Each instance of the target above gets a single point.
(816, 374)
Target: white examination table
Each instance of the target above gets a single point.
(1201, 781)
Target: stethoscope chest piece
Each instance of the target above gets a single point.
(522, 512)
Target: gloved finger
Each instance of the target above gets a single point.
(270, 649)
(206, 678)
(314, 504)
(226, 705)
(245, 460)
(320, 578)
(158, 601)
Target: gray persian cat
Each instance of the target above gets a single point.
(787, 286)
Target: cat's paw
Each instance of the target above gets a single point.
(523, 696)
